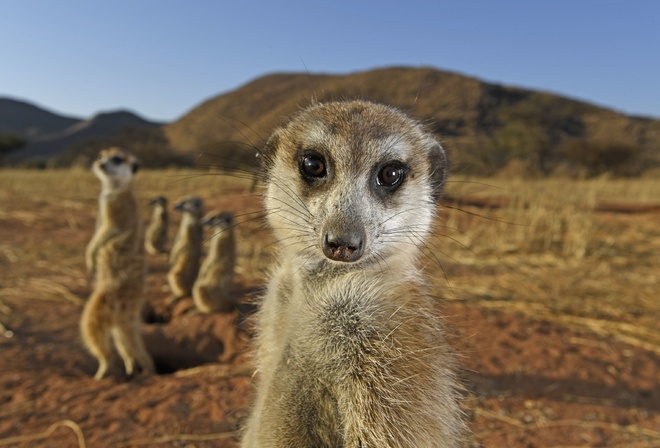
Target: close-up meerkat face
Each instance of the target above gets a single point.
(352, 182)
(115, 167)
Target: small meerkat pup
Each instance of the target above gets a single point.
(212, 288)
(187, 249)
(156, 238)
(115, 257)
(351, 350)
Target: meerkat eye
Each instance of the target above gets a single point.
(313, 166)
(117, 160)
(390, 175)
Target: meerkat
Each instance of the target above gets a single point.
(213, 285)
(350, 348)
(115, 257)
(187, 249)
(156, 237)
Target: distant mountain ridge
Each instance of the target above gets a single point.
(30, 121)
(486, 127)
(483, 125)
(49, 135)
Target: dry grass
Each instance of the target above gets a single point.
(39, 198)
(547, 253)
(545, 246)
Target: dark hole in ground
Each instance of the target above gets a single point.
(175, 347)
(151, 315)
(191, 339)
(178, 337)
(171, 364)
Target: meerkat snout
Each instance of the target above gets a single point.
(221, 221)
(159, 200)
(344, 243)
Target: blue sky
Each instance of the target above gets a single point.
(162, 58)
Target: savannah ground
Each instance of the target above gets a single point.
(551, 290)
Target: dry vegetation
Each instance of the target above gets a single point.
(554, 303)
(549, 252)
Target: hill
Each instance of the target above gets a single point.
(29, 121)
(486, 127)
(100, 126)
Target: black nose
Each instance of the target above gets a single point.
(347, 246)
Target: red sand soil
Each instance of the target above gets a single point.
(530, 383)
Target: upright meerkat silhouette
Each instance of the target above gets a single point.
(115, 257)
(156, 237)
(212, 289)
(351, 349)
(187, 249)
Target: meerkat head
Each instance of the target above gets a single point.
(192, 205)
(115, 168)
(353, 182)
(158, 200)
(219, 220)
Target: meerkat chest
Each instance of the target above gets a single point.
(342, 322)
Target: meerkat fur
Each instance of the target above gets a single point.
(115, 257)
(350, 348)
(187, 248)
(156, 236)
(212, 289)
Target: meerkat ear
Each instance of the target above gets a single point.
(439, 164)
(267, 154)
(135, 166)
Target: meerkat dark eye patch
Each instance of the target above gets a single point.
(391, 175)
(313, 166)
(117, 160)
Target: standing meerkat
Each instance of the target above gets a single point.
(156, 237)
(115, 256)
(187, 249)
(351, 351)
(212, 288)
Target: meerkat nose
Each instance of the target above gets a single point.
(347, 246)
